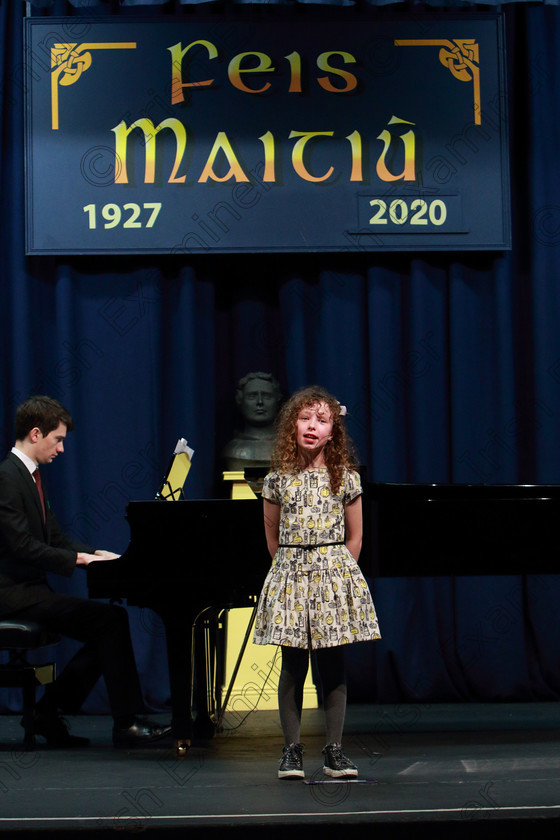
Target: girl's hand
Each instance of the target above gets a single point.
(354, 526)
(271, 526)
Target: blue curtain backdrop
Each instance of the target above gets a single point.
(449, 365)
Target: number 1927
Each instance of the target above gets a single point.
(129, 216)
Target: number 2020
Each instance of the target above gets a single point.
(114, 216)
(434, 213)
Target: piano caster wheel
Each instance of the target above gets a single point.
(182, 747)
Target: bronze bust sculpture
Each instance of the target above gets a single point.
(258, 399)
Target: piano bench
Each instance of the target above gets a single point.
(18, 638)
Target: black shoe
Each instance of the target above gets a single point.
(142, 731)
(336, 763)
(55, 731)
(291, 765)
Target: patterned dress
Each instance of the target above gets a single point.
(314, 595)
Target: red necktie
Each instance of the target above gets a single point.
(37, 477)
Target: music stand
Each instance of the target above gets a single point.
(172, 488)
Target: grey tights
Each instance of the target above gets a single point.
(330, 665)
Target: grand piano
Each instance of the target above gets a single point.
(429, 530)
(188, 560)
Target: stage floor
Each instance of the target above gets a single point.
(420, 767)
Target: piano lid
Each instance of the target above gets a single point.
(461, 529)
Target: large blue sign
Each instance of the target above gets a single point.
(236, 135)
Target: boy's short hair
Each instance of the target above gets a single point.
(42, 412)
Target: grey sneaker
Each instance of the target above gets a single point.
(336, 764)
(291, 765)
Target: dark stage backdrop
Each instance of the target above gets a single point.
(449, 365)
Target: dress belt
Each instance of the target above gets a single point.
(308, 546)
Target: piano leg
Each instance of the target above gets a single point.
(178, 634)
(204, 690)
(187, 661)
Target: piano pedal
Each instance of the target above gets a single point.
(182, 747)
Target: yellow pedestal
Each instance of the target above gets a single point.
(239, 486)
(256, 684)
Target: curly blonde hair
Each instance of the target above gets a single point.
(338, 453)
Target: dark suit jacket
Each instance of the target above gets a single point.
(29, 547)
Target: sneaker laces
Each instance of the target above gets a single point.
(293, 750)
(335, 750)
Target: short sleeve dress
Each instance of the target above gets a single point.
(314, 595)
